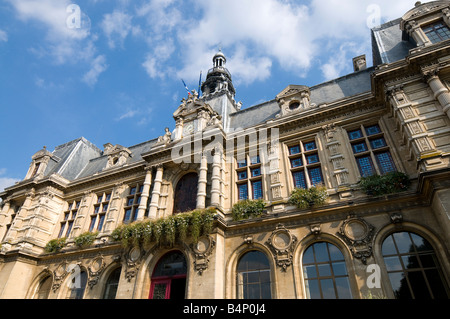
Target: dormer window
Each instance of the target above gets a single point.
(437, 32)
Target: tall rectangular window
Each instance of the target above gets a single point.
(69, 219)
(305, 164)
(132, 203)
(372, 154)
(100, 210)
(249, 177)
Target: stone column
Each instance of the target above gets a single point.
(154, 204)
(145, 194)
(202, 180)
(216, 177)
(440, 91)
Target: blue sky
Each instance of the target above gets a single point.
(116, 78)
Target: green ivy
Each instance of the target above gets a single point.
(166, 230)
(55, 245)
(86, 239)
(247, 208)
(389, 183)
(311, 197)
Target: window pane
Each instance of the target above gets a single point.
(242, 163)
(311, 159)
(321, 252)
(255, 160)
(92, 225)
(294, 150)
(315, 175)
(310, 146)
(242, 175)
(343, 288)
(324, 270)
(327, 289)
(365, 166)
(299, 179)
(256, 172)
(257, 189)
(392, 263)
(100, 222)
(310, 271)
(359, 147)
(418, 285)
(243, 191)
(374, 129)
(355, 134)
(399, 285)
(403, 242)
(335, 253)
(296, 162)
(385, 162)
(378, 143)
(312, 289)
(388, 246)
(133, 191)
(339, 269)
(127, 216)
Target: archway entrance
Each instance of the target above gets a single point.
(185, 198)
(169, 277)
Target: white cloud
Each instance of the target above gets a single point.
(98, 66)
(3, 36)
(116, 26)
(6, 181)
(65, 42)
(255, 34)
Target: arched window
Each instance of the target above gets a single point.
(78, 285)
(325, 272)
(185, 198)
(169, 277)
(111, 284)
(253, 276)
(413, 267)
(44, 288)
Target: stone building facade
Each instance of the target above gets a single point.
(392, 117)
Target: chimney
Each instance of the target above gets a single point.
(359, 63)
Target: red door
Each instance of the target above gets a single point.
(169, 277)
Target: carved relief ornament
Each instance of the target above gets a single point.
(357, 234)
(282, 243)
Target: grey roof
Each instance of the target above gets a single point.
(331, 91)
(98, 163)
(389, 44)
(68, 159)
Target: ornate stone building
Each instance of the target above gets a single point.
(392, 117)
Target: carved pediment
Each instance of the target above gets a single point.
(422, 10)
(117, 155)
(294, 98)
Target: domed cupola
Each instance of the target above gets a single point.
(218, 78)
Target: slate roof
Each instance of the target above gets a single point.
(388, 44)
(68, 159)
(346, 86)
